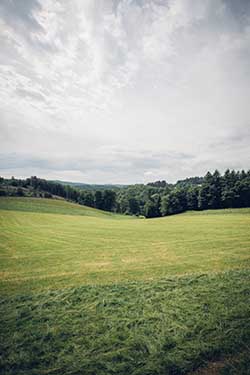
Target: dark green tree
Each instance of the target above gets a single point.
(109, 200)
(98, 199)
(192, 197)
(174, 203)
(133, 206)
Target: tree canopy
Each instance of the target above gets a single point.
(213, 191)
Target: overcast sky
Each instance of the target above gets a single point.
(124, 91)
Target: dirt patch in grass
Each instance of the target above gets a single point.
(238, 364)
(213, 368)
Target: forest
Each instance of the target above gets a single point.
(155, 199)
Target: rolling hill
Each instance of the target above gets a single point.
(90, 292)
(48, 243)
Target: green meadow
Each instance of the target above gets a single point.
(95, 293)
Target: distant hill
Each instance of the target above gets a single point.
(159, 198)
(83, 186)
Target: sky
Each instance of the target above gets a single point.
(124, 91)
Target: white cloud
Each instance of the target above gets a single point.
(82, 80)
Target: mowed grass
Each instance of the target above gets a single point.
(167, 327)
(53, 206)
(104, 294)
(41, 250)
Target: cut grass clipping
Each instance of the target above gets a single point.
(166, 327)
(89, 292)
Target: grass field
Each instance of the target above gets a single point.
(89, 292)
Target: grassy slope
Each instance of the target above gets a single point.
(155, 326)
(52, 206)
(40, 250)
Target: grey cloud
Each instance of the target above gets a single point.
(16, 11)
(22, 161)
(92, 95)
(156, 161)
(19, 16)
(30, 94)
(138, 163)
(240, 10)
(239, 138)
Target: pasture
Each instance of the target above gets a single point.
(89, 292)
(76, 245)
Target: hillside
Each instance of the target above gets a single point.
(53, 206)
(84, 292)
(93, 187)
(156, 199)
(79, 245)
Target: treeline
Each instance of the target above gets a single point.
(37, 187)
(231, 190)
(155, 199)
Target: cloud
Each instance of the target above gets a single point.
(21, 13)
(141, 165)
(118, 90)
